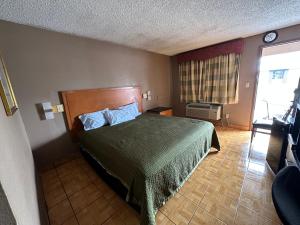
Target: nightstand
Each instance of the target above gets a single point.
(164, 111)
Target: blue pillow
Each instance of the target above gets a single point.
(132, 108)
(93, 120)
(118, 116)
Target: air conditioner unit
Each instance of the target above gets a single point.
(203, 111)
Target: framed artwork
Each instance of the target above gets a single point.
(6, 91)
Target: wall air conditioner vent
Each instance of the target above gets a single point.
(204, 111)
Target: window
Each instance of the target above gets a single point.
(278, 74)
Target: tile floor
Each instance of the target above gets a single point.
(226, 188)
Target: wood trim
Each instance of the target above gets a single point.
(239, 127)
(77, 102)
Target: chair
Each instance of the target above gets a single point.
(260, 124)
(286, 195)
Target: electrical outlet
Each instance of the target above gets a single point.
(227, 115)
(247, 85)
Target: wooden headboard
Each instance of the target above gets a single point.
(77, 102)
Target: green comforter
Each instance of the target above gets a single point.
(152, 156)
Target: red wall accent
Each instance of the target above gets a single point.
(234, 46)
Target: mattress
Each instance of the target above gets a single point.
(151, 155)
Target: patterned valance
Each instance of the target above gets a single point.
(225, 48)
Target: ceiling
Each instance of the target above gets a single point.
(162, 26)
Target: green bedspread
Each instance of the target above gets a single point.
(152, 156)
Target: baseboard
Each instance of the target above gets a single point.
(219, 123)
(240, 127)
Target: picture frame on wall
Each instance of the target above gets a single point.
(6, 91)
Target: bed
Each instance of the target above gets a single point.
(151, 155)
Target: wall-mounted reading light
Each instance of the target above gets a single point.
(48, 110)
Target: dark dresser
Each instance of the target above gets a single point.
(284, 142)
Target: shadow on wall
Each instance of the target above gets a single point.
(50, 152)
(41, 201)
(45, 155)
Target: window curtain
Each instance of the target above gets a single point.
(213, 80)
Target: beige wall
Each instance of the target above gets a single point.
(282, 48)
(17, 174)
(240, 114)
(41, 63)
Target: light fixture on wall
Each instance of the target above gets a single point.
(47, 110)
(147, 95)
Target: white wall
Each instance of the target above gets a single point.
(17, 174)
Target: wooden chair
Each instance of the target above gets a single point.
(260, 124)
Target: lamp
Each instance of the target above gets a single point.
(48, 110)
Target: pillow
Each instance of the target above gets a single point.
(93, 120)
(118, 116)
(132, 108)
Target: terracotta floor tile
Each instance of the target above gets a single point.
(221, 206)
(263, 205)
(117, 203)
(48, 175)
(75, 182)
(84, 197)
(179, 209)
(225, 188)
(67, 168)
(130, 216)
(259, 172)
(194, 191)
(101, 185)
(161, 219)
(71, 157)
(51, 184)
(249, 217)
(213, 190)
(211, 165)
(256, 189)
(71, 221)
(114, 220)
(81, 161)
(90, 172)
(233, 155)
(127, 216)
(60, 213)
(257, 196)
(206, 177)
(97, 213)
(109, 194)
(201, 217)
(55, 196)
